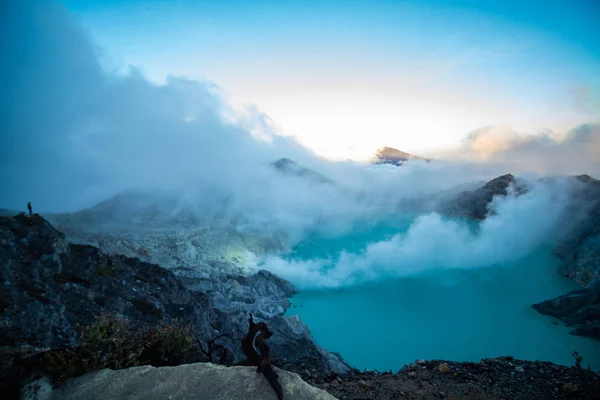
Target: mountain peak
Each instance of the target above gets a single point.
(390, 155)
(290, 167)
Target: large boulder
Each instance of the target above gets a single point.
(191, 381)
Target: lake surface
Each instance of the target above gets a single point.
(453, 314)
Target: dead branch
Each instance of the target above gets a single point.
(261, 360)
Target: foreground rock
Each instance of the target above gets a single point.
(491, 379)
(51, 287)
(191, 381)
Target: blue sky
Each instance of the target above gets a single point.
(346, 77)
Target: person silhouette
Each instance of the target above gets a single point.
(29, 208)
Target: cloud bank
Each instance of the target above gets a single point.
(546, 153)
(519, 226)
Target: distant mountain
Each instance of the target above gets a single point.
(287, 166)
(389, 155)
(165, 229)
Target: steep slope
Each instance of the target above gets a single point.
(167, 230)
(51, 287)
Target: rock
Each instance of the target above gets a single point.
(412, 374)
(364, 384)
(519, 369)
(444, 368)
(191, 381)
(579, 309)
(569, 388)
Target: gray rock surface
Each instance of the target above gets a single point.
(191, 381)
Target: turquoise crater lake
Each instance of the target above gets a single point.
(453, 314)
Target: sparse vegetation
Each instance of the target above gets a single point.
(111, 342)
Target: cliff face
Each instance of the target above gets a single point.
(51, 287)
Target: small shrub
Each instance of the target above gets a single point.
(112, 342)
(63, 364)
(168, 344)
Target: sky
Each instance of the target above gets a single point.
(98, 98)
(347, 77)
(79, 127)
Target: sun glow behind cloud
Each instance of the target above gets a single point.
(347, 78)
